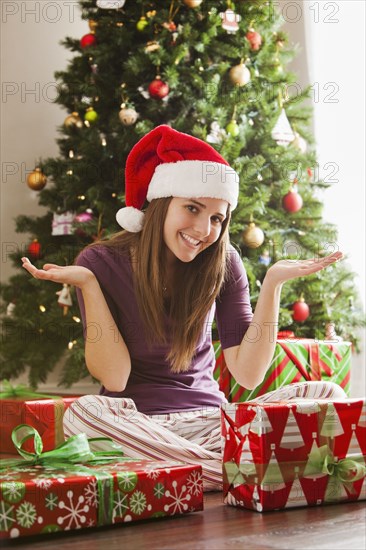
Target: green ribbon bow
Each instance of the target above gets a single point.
(321, 460)
(72, 455)
(342, 472)
(21, 390)
(346, 470)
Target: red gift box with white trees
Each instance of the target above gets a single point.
(296, 453)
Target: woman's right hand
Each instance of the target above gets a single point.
(70, 274)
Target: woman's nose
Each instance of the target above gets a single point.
(203, 226)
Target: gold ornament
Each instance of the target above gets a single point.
(92, 25)
(73, 120)
(192, 3)
(36, 180)
(128, 116)
(152, 46)
(253, 236)
(239, 74)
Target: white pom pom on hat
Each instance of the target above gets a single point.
(168, 163)
(130, 218)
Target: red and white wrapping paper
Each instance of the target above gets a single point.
(296, 453)
(39, 500)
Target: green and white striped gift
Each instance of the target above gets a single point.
(294, 360)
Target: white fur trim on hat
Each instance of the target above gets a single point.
(130, 218)
(195, 178)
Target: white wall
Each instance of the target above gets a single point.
(31, 32)
(339, 119)
(331, 35)
(332, 59)
(30, 54)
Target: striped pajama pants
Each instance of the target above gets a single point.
(193, 437)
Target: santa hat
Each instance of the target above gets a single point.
(167, 163)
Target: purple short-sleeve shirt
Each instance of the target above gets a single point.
(151, 384)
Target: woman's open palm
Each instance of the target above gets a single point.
(70, 274)
(284, 270)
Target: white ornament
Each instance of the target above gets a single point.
(230, 21)
(282, 131)
(62, 224)
(128, 116)
(330, 333)
(145, 94)
(64, 298)
(10, 309)
(110, 4)
(300, 143)
(87, 100)
(217, 134)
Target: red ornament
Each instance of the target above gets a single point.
(170, 26)
(34, 249)
(292, 202)
(300, 311)
(285, 334)
(254, 39)
(88, 40)
(158, 89)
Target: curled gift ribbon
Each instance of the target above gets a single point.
(73, 455)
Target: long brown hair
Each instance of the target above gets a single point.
(195, 286)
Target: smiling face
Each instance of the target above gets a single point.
(191, 225)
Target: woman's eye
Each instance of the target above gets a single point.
(216, 219)
(192, 208)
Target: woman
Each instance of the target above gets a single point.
(148, 297)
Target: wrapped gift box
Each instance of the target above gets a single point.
(294, 453)
(44, 414)
(294, 360)
(37, 499)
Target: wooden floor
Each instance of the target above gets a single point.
(333, 527)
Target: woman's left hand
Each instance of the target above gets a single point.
(284, 270)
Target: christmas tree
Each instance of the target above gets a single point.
(216, 70)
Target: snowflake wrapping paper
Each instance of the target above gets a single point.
(296, 453)
(36, 500)
(44, 414)
(294, 360)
